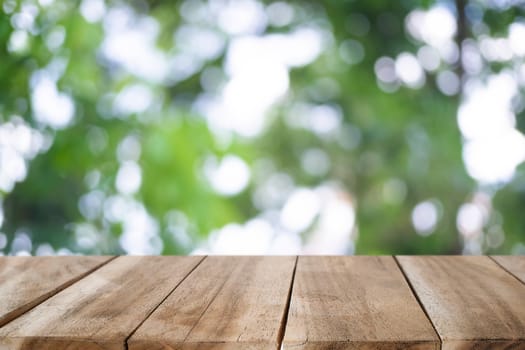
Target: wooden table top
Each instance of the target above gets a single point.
(219, 302)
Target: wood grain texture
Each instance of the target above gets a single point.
(226, 303)
(472, 302)
(101, 310)
(27, 281)
(513, 264)
(355, 303)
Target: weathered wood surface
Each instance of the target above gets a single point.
(513, 264)
(227, 303)
(357, 303)
(472, 302)
(219, 303)
(27, 281)
(101, 310)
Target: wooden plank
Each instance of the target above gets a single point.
(27, 281)
(355, 303)
(226, 303)
(513, 264)
(472, 302)
(101, 310)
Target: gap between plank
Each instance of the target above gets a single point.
(209, 304)
(284, 321)
(161, 302)
(418, 300)
(31, 305)
(505, 269)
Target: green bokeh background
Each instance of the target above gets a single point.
(410, 135)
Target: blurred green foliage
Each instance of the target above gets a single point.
(408, 137)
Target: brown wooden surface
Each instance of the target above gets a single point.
(513, 264)
(227, 302)
(356, 303)
(26, 281)
(101, 310)
(190, 303)
(473, 303)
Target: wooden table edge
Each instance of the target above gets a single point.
(363, 344)
(52, 343)
(145, 344)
